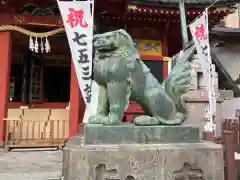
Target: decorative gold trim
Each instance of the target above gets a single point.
(132, 7)
(167, 59)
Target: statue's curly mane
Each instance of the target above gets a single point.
(117, 41)
(114, 54)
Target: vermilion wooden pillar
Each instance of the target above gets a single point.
(5, 68)
(76, 108)
(165, 51)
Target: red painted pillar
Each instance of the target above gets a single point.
(76, 105)
(5, 68)
(165, 51)
(165, 69)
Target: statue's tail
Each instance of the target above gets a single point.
(178, 81)
(184, 55)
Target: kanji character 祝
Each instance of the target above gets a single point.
(200, 34)
(75, 18)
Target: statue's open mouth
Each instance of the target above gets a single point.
(105, 47)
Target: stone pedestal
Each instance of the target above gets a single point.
(131, 134)
(140, 161)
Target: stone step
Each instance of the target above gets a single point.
(29, 176)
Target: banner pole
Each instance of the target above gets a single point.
(183, 22)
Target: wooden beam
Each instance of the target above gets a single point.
(56, 21)
(165, 50)
(28, 20)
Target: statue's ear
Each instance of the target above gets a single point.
(123, 32)
(127, 36)
(95, 37)
(135, 44)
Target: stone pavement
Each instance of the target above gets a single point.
(30, 165)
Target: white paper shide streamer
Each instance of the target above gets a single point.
(200, 33)
(34, 45)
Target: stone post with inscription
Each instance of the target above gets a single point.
(159, 145)
(198, 98)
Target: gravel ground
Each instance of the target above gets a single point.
(30, 164)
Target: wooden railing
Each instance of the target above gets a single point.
(32, 133)
(227, 139)
(230, 139)
(233, 125)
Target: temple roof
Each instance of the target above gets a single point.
(224, 35)
(187, 2)
(191, 1)
(225, 31)
(226, 74)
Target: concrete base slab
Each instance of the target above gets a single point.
(185, 161)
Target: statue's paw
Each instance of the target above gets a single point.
(146, 121)
(111, 120)
(95, 119)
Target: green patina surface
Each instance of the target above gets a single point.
(123, 77)
(130, 134)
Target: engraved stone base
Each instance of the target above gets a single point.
(185, 161)
(131, 134)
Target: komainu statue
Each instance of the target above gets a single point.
(122, 77)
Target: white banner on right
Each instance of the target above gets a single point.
(200, 33)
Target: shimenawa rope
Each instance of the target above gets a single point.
(30, 33)
(34, 45)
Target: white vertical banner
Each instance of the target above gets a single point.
(200, 33)
(78, 22)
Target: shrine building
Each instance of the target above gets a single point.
(39, 86)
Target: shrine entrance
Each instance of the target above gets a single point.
(39, 94)
(38, 78)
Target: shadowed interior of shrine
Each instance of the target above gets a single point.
(39, 77)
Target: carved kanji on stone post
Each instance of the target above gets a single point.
(102, 173)
(188, 173)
